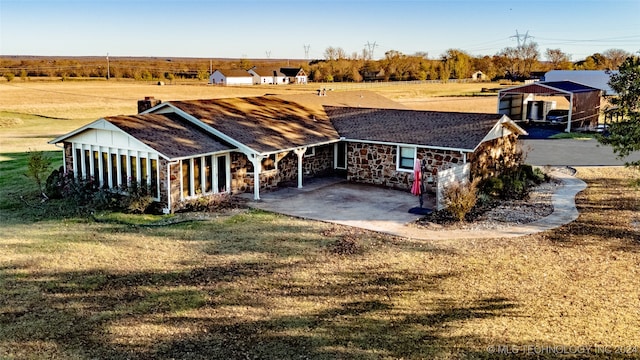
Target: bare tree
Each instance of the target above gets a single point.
(558, 59)
(614, 58)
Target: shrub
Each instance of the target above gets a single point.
(86, 195)
(137, 197)
(207, 203)
(37, 167)
(492, 186)
(514, 183)
(460, 198)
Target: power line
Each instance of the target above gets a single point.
(306, 51)
(524, 37)
(370, 48)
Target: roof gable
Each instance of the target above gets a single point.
(292, 72)
(550, 87)
(169, 134)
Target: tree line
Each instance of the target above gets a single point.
(512, 63)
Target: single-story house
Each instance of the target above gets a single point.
(295, 75)
(231, 77)
(264, 76)
(185, 149)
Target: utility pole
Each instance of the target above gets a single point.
(108, 71)
(370, 48)
(524, 37)
(306, 51)
(210, 66)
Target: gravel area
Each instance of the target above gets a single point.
(506, 213)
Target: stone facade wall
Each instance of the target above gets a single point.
(320, 164)
(376, 164)
(241, 182)
(493, 157)
(68, 157)
(174, 173)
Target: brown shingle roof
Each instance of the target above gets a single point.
(291, 72)
(168, 134)
(267, 71)
(235, 73)
(264, 124)
(359, 98)
(464, 131)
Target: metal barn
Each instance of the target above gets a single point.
(522, 103)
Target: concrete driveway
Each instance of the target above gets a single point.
(334, 200)
(571, 152)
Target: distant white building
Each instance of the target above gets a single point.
(231, 77)
(478, 76)
(598, 79)
(263, 76)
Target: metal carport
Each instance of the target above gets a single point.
(584, 101)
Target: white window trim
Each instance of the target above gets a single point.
(312, 151)
(214, 176)
(415, 156)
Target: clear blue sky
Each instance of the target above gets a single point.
(251, 28)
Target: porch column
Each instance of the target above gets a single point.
(256, 160)
(300, 152)
(568, 129)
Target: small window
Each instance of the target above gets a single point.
(269, 163)
(406, 158)
(311, 151)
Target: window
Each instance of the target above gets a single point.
(341, 155)
(105, 170)
(269, 163)
(201, 175)
(311, 151)
(114, 170)
(133, 163)
(208, 174)
(143, 170)
(78, 163)
(222, 173)
(197, 176)
(123, 170)
(154, 178)
(86, 171)
(406, 158)
(186, 178)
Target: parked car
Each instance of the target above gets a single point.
(557, 116)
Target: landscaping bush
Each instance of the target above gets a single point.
(87, 196)
(513, 183)
(208, 203)
(460, 198)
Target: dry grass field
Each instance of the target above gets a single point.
(57, 107)
(263, 286)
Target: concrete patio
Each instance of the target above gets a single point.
(385, 210)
